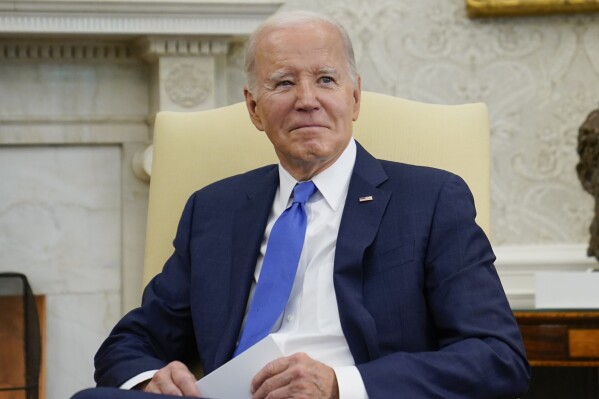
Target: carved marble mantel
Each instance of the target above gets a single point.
(80, 83)
(133, 17)
(186, 41)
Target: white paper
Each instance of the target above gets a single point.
(566, 290)
(232, 380)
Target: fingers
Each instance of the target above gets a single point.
(173, 379)
(271, 372)
(296, 376)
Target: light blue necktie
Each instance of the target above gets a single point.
(278, 269)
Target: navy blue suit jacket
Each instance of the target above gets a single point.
(419, 299)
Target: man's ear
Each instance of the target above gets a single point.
(252, 106)
(357, 98)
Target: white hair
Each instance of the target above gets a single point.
(294, 18)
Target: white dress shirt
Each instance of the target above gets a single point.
(310, 322)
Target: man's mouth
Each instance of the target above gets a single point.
(307, 126)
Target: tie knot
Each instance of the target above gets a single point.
(303, 191)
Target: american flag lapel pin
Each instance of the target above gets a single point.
(366, 199)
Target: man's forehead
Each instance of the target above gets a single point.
(298, 28)
(317, 51)
(318, 33)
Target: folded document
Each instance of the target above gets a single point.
(232, 380)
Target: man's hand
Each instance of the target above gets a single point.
(173, 379)
(296, 376)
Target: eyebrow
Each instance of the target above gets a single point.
(278, 75)
(327, 71)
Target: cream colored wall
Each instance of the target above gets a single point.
(538, 75)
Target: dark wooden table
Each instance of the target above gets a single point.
(560, 338)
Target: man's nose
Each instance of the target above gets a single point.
(306, 97)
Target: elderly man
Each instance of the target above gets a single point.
(393, 292)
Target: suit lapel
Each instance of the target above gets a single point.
(248, 229)
(359, 226)
(364, 209)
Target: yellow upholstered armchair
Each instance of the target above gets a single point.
(194, 149)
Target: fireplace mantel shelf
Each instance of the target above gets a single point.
(133, 17)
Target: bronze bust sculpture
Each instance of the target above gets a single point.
(588, 171)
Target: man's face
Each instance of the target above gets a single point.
(304, 98)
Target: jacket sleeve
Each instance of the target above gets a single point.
(160, 330)
(479, 351)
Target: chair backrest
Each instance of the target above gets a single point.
(194, 149)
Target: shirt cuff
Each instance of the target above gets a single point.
(351, 385)
(146, 375)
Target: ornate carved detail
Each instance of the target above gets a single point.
(64, 50)
(134, 17)
(491, 8)
(142, 163)
(588, 171)
(187, 85)
(154, 47)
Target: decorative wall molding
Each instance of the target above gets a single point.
(81, 132)
(187, 40)
(152, 48)
(142, 163)
(64, 50)
(187, 85)
(517, 265)
(133, 17)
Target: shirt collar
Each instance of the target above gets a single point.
(332, 183)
